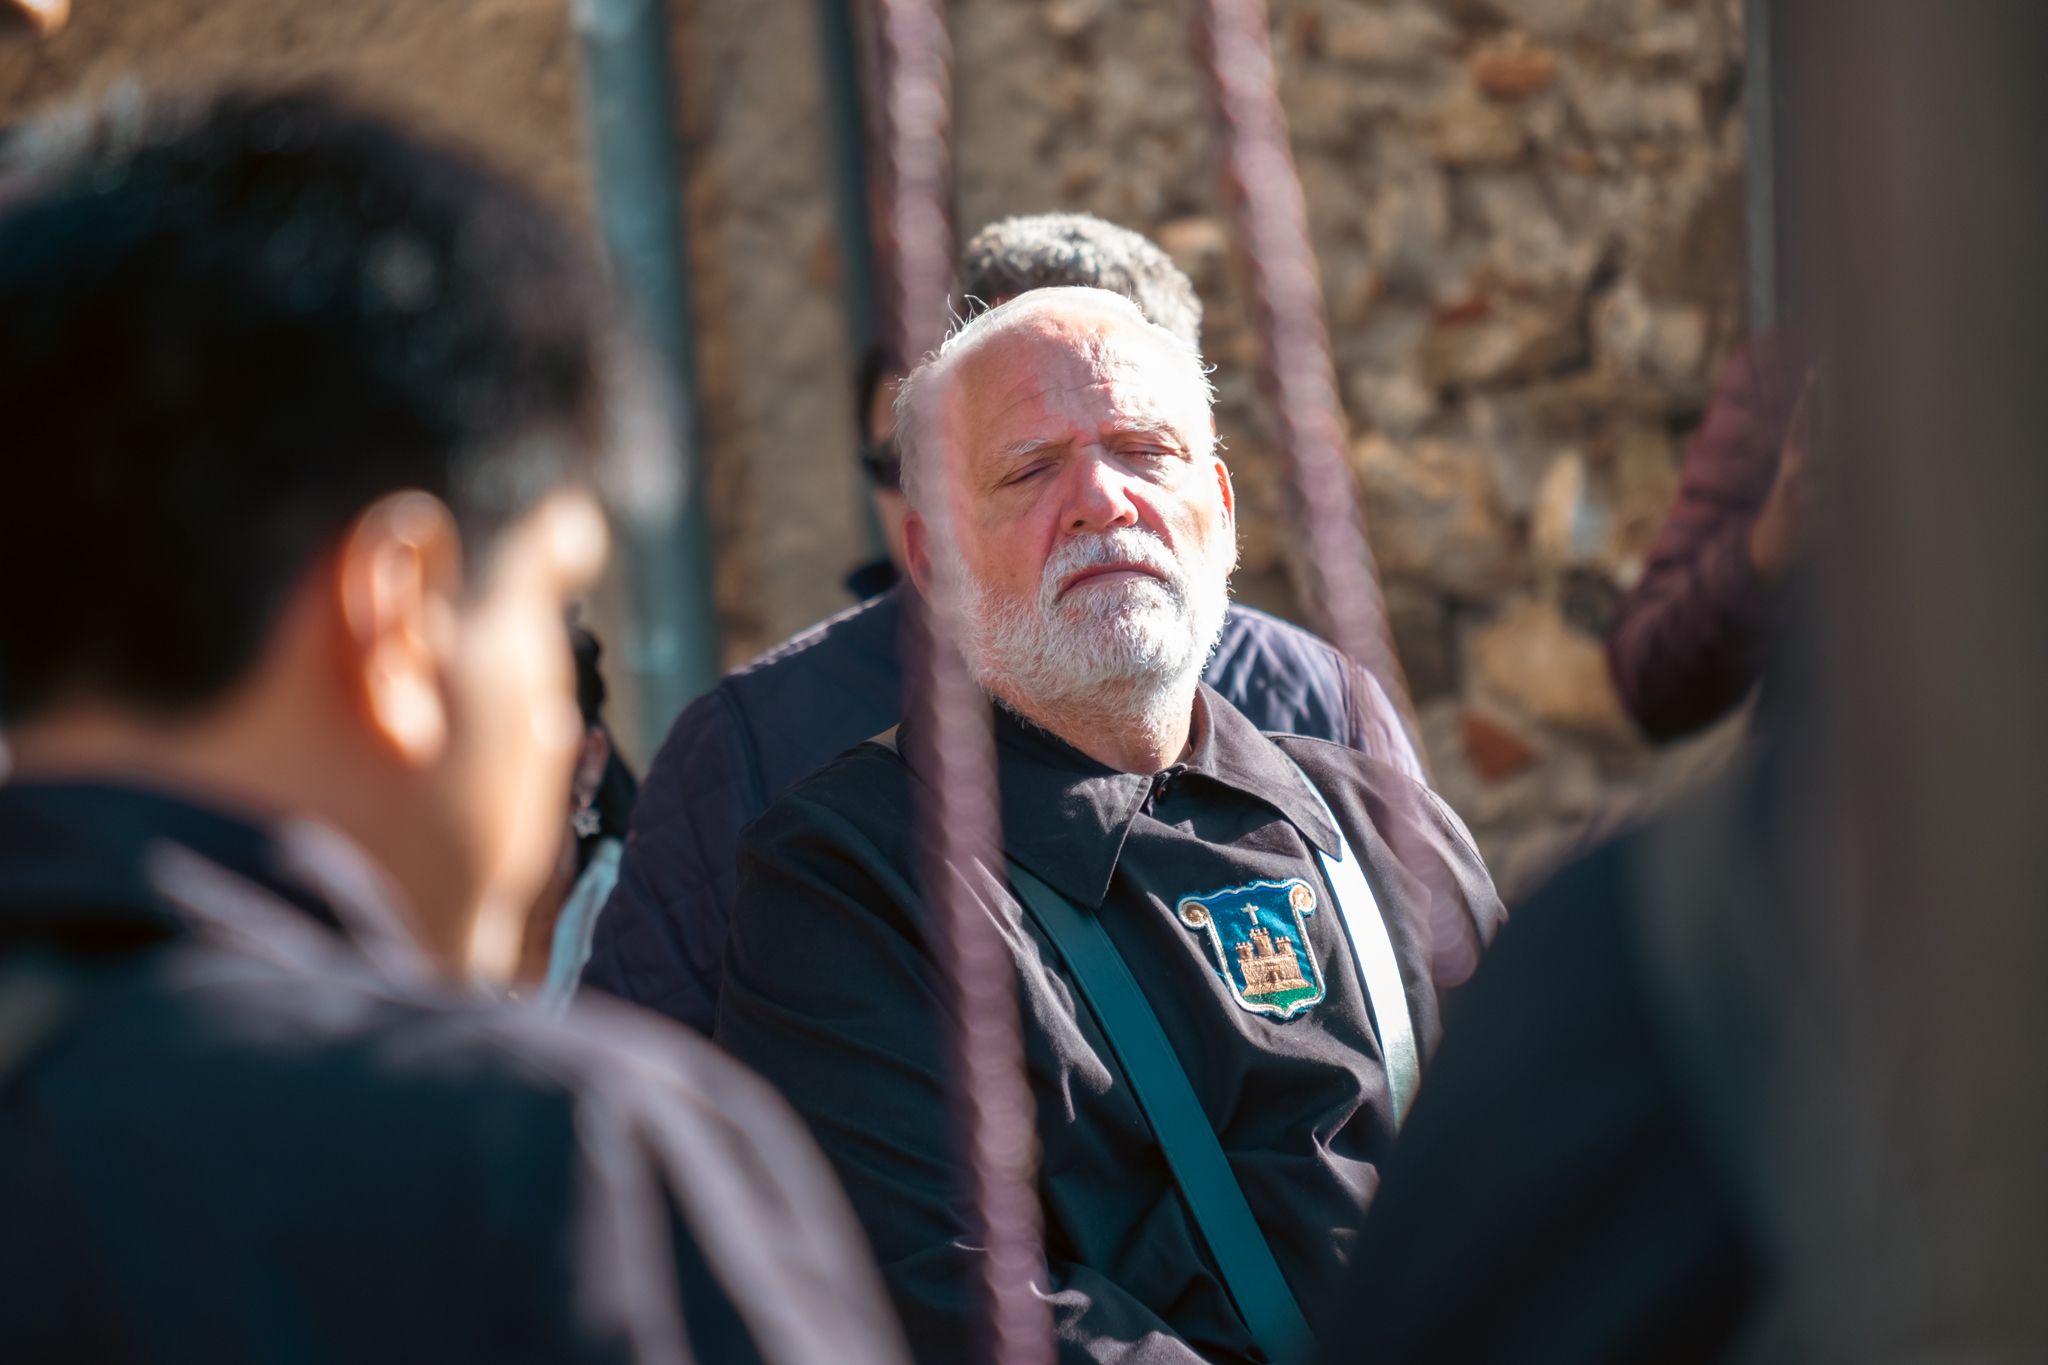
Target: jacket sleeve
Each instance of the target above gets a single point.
(660, 939)
(1376, 727)
(829, 994)
(1688, 640)
(655, 1203)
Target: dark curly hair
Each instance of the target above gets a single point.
(233, 321)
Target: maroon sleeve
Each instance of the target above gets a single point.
(1688, 640)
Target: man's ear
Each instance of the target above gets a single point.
(1224, 487)
(917, 551)
(398, 574)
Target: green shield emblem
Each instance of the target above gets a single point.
(1259, 935)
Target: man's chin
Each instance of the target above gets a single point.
(1128, 666)
(1100, 599)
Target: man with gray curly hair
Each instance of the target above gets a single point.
(1290, 906)
(660, 940)
(1013, 256)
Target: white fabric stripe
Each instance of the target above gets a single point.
(1373, 952)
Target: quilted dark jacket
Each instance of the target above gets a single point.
(661, 938)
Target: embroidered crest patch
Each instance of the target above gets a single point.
(1260, 935)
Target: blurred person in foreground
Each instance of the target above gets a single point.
(661, 940)
(306, 417)
(1762, 1082)
(1565, 1154)
(1067, 442)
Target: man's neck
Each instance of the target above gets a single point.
(1132, 730)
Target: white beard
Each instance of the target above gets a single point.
(1124, 651)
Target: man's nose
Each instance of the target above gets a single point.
(1098, 498)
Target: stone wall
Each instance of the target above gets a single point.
(1529, 218)
(500, 74)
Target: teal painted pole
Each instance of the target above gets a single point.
(671, 648)
(846, 129)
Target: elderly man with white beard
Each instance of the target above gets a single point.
(1228, 945)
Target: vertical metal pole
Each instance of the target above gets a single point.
(952, 739)
(846, 127)
(671, 648)
(1760, 119)
(1265, 197)
(839, 47)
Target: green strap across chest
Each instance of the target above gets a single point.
(1186, 1137)
(1167, 1099)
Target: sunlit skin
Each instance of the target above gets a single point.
(536, 943)
(43, 16)
(516, 729)
(1073, 421)
(429, 717)
(1774, 537)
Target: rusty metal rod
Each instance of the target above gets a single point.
(1264, 197)
(953, 738)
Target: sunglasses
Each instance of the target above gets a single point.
(883, 463)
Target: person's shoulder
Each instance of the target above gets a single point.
(1386, 791)
(1325, 759)
(608, 1056)
(864, 791)
(817, 663)
(775, 718)
(1424, 836)
(419, 1045)
(510, 1134)
(498, 1102)
(818, 691)
(866, 630)
(1281, 676)
(1248, 629)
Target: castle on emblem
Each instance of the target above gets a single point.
(1259, 935)
(1267, 969)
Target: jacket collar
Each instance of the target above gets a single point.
(95, 864)
(1066, 816)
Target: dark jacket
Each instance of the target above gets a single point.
(1688, 641)
(240, 1122)
(830, 994)
(1563, 1156)
(661, 939)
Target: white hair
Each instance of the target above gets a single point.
(1123, 656)
(920, 398)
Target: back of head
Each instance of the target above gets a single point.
(1047, 250)
(232, 322)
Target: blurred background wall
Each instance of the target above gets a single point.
(1530, 220)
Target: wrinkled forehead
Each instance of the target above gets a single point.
(1052, 371)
